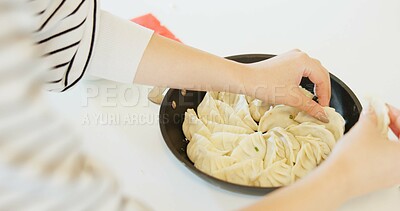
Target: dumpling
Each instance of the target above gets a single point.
(278, 116)
(242, 173)
(315, 130)
(228, 98)
(335, 125)
(200, 146)
(249, 99)
(280, 146)
(258, 108)
(305, 162)
(208, 110)
(213, 162)
(241, 108)
(230, 117)
(320, 148)
(277, 174)
(192, 125)
(214, 95)
(226, 141)
(251, 147)
(382, 114)
(217, 127)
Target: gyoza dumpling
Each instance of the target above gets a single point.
(280, 146)
(249, 99)
(227, 141)
(277, 174)
(320, 148)
(278, 116)
(335, 125)
(305, 162)
(192, 125)
(230, 117)
(241, 107)
(217, 127)
(382, 114)
(258, 108)
(208, 110)
(228, 98)
(251, 147)
(200, 146)
(214, 95)
(213, 162)
(243, 173)
(315, 130)
(206, 156)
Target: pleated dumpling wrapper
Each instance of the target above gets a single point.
(240, 107)
(226, 142)
(335, 125)
(278, 116)
(206, 156)
(382, 113)
(208, 110)
(192, 125)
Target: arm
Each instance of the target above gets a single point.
(362, 162)
(168, 63)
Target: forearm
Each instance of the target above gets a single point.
(171, 64)
(323, 189)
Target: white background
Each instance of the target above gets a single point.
(358, 41)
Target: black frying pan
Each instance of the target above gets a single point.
(175, 104)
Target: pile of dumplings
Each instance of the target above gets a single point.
(242, 140)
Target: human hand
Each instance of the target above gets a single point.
(365, 159)
(277, 80)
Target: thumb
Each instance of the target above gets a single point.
(312, 108)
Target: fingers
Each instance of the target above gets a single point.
(310, 107)
(394, 115)
(368, 115)
(320, 77)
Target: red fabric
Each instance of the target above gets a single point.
(151, 22)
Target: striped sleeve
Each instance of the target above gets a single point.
(76, 38)
(42, 164)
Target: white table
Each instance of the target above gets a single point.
(358, 41)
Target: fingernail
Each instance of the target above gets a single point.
(323, 117)
(393, 109)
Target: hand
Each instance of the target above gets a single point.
(366, 160)
(277, 80)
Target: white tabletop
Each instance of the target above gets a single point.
(358, 41)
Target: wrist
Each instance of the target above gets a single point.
(248, 80)
(241, 79)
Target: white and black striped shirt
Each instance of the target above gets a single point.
(60, 41)
(76, 37)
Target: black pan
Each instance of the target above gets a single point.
(176, 102)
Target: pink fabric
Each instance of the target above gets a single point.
(151, 22)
